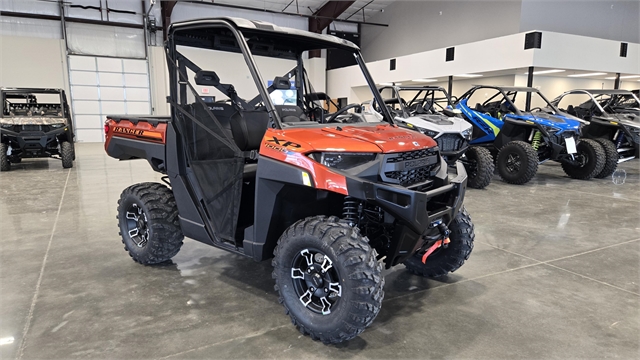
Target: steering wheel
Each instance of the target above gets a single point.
(333, 116)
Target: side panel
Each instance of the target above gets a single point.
(282, 198)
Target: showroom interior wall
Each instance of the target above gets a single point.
(417, 26)
(612, 20)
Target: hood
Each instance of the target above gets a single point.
(374, 138)
(564, 122)
(436, 122)
(627, 119)
(32, 120)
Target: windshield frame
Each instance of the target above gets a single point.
(243, 47)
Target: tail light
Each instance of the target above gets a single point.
(106, 129)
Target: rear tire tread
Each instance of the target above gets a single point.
(166, 236)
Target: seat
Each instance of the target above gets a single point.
(291, 113)
(248, 131)
(202, 143)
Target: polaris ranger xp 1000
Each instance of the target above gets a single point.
(329, 200)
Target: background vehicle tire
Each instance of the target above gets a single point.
(446, 260)
(479, 166)
(610, 158)
(352, 269)
(517, 162)
(66, 153)
(593, 164)
(148, 221)
(4, 159)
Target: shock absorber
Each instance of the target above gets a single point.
(535, 143)
(350, 210)
(618, 138)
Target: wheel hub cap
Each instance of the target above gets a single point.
(137, 225)
(316, 281)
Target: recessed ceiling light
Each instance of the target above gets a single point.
(623, 77)
(468, 75)
(424, 80)
(587, 74)
(545, 72)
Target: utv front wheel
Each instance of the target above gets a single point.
(4, 159)
(517, 162)
(589, 160)
(148, 221)
(66, 153)
(479, 166)
(610, 158)
(445, 260)
(328, 279)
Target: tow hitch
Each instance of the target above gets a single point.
(443, 241)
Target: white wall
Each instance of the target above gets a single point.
(614, 20)
(417, 26)
(32, 62)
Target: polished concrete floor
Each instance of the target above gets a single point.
(554, 274)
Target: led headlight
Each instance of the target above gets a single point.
(342, 160)
(550, 129)
(467, 133)
(55, 126)
(428, 132)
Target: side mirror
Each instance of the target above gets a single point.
(207, 78)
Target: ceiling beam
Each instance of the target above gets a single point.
(327, 14)
(166, 8)
(324, 16)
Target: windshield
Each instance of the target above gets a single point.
(31, 104)
(292, 91)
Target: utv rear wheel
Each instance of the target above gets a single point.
(610, 158)
(66, 153)
(148, 221)
(517, 162)
(328, 279)
(479, 166)
(4, 159)
(589, 160)
(449, 259)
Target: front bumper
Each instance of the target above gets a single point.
(32, 142)
(416, 213)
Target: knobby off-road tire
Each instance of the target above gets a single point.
(353, 270)
(151, 209)
(610, 158)
(5, 165)
(66, 153)
(449, 259)
(517, 162)
(479, 177)
(594, 164)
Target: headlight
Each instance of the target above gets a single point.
(467, 133)
(342, 160)
(6, 126)
(55, 126)
(428, 132)
(550, 129)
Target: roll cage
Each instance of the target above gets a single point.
(250, 38)
(424, 95)
(509, 94)
(28, 95)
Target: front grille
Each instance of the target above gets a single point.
(31, 127)
(412, 167)
(559, 139)
(450, 142)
